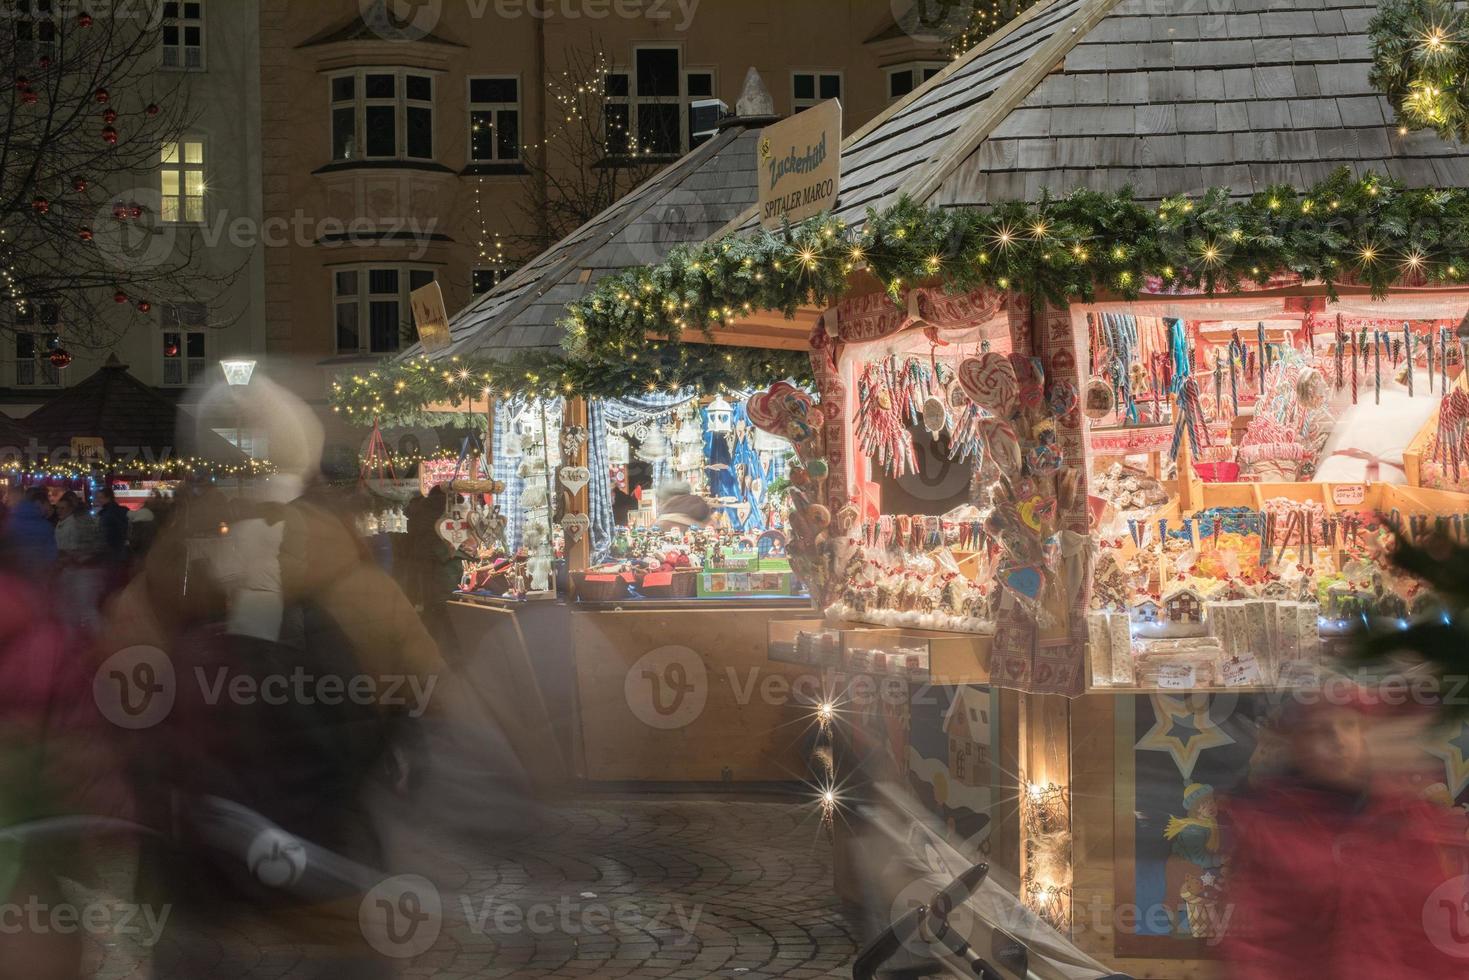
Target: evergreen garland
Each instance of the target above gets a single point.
(1420, 63)
(1368, 231)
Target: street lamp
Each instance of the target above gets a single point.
(237, 370)
(237, 373)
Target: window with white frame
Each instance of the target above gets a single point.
(649, 110)
(903, 79)
(34, 25)
(35, 325)
(494, 119)
(183, 34)
(185, 326)
(371, 308)
(382, 114)
(811, 87)
(181, 178)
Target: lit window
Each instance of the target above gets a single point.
(494, 119)
(182, 177)
(183, 34)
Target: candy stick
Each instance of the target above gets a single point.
(1430, 360)
(1408, 351)
(1260, 333)
(1354, 367)
(1341, 343)
(1377, 367)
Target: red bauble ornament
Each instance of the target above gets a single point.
(119, 297)
(170, 350)
(84, 233)
(44, 61)
(120, 211)
(84, 19)
(22, 82)
(60, 357)
(109, 135)
(29, 98)
(79, 184)
(101, 95)
(40, 205)
(135, 210)
(144, 306)
(153, 109)
(109, 116)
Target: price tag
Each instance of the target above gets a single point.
(1176, 676)
(1348, 494)
(1242, 671)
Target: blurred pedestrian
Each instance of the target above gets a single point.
(679, 508)
(1334, 869)
(112, 524)
(28, 531)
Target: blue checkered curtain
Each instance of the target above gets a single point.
(599, 491)
(508, 469)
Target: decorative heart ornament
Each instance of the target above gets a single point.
(1023, 580)
(455, 530)
(575, 527)
(989, 381)
(575, 478)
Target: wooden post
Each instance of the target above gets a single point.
(579, 553)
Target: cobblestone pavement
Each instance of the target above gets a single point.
(635, 888)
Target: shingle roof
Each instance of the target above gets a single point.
(684, 203)
(1164, 96)
(127, 415)
(13, 434)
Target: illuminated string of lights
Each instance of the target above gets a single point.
(1419, 60)
(174, 468)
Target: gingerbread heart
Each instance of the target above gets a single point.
(989, 381)
(575, 478)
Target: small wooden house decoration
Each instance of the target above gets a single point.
(1184, 607)
(967, 725)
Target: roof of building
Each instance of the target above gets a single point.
(13, 434)
(127, 415)
(684, 203)
(1164, 96)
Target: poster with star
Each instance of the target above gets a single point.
(1183, 753)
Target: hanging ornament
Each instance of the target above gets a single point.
(573, 439)
(152, 109)
(22, 82)
(60, 358)
(170, 350)
(84, 233)
(109, 135)
(654, 448)
(120, 211)
(53, 342)
(721, 415)
(79, 184)
(101, 95)
(84, 19)
(40, 205)
(29, 98)
(119, 297)
(618, 451)
(135, 210)
(144, 306)
(109, 115)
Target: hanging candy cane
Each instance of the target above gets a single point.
(1190, 418)
(1429, 347)
(1260, 333)
(1341, 353)
(1354, 367)
(1377, 367)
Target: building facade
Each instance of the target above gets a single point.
(402, 141)
(203, 195)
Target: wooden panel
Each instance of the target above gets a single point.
(687, 695)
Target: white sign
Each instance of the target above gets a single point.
(1180, 676)
(430, 317)
(799, 165)
(1348, 494)
(1242, 671)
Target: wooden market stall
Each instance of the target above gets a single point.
(1066, 634)
(634, 677)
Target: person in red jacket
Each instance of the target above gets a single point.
(1337, 871)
